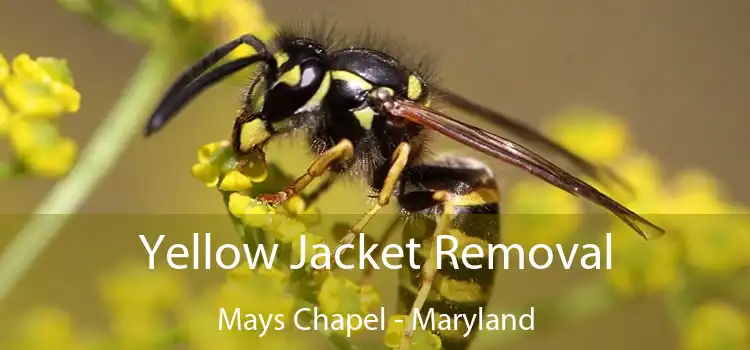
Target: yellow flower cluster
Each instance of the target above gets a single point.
(216, 162)
(47, 328)
(706, 234)
(537, 213)
(703, 229)
(36, 93)
(231, 18)
(716, 325)
(138, 301)
(341, 296)
(336, 295)
(595, 135)
(259, 292)
(153, 310)
(218, 167)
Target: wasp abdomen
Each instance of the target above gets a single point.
(472, 206)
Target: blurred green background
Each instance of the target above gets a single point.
(676, 71)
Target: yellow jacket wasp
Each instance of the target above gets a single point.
(366, 114)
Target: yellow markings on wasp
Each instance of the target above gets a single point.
(281, 58)
(449, 289)
(257, 97)
(291, 77)
(253, 134)
(460, 291)
(413, 88)
(351, 78)
(280, 124)
(478, 197)
(321, 93)
(257, 102)
(462, 241)
(365, 117)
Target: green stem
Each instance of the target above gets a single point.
(101, 153)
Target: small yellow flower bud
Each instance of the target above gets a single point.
(26, 136)
(5, 117)
(35, 98)
(238, 204)
(395, 330)
(287, 229)
(716, 243)
(310, 241)
(207, 151)
(235, 181)
(697, 192)
(369, 298)
(49, 328)
(24, 66)
(42, 87)
(339, 295)
(239, 17)
(295, 205)
(206, 173)
(53, 161)
(643, 172)
(239, 273)
(547, 215)
(716, 325)
(597, 136)
(56, 69)
(197, 10)
(642, 267)
(4, 69)
(310, 217)
(279, 277)
(69, 98)
(258, 215)
(138, 292)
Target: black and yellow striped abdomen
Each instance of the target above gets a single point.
(472, 202)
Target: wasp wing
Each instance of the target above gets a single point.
(598, 173)
(517, 155)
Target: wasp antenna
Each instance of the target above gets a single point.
(169, 109)
(176, 95)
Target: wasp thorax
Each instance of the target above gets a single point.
(381, 99)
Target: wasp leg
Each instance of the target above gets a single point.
(341, 152)
(315, 194)
(429, 270)
(456, 198)
(400, 158)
